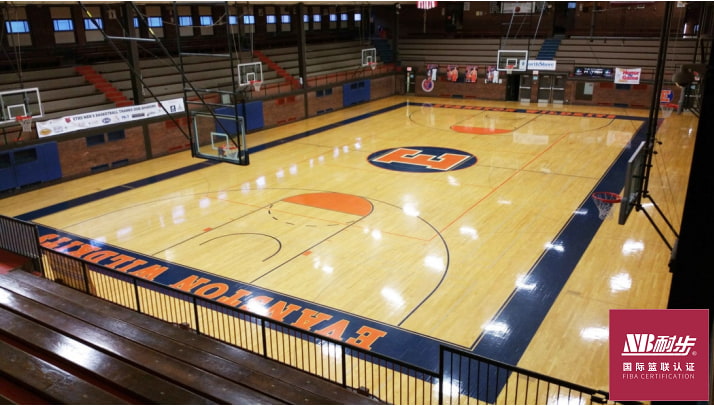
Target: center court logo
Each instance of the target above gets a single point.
(422, 159)
(659, 355)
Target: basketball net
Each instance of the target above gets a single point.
(25, 122)
(509, 69)
(604, 201)
(667, 109)
(373, 65)
(256, 85)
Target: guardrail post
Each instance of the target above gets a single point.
(195, 314)
(344, 366)
(441, 375)
(136, 295)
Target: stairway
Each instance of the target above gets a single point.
(384, 50)
(101, 84)
(280, 71)
(548, 49)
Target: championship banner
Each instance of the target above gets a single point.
(629, 76)
(106, 117)
(491, 74)
(471, 73)
(452, 73)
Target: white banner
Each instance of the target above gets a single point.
(106, 117)
(537, 64)
(630, 76)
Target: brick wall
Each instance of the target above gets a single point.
(609, 94)
(77, 158)
(167, 138)
(384, 86)
(324, 100)
(283, 110)
(479, 90)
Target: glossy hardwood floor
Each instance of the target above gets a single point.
(456, 255)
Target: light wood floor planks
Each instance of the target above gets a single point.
(446, 254)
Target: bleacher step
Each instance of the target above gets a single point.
(202, 354)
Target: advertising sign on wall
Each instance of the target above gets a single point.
(101, 118)
(629, 76)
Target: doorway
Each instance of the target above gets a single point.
(551, 89)
(513, 87)
(524, 88)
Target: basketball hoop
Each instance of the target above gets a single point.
(228, 151)
(256, 85)
(667, 109)
(509, 69)
(25, 122)
(372, 65)
(604, 202)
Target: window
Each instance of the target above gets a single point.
(285, 18)
(17, 27)
(358, 17)
(270, 19)
(305, 18)
(248, 19)
(63, 25)
(185, 21)
(333, 17)
(115, 135)
(316, 18)
(92, 24)
(232, 20)
(154, 22)
(94, 139)
(344, 17)
(206, 20)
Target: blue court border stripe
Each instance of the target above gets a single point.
(55, 208)
(524, 311)
(523, 314)
(112, 191)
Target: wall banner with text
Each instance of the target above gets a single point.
(629, 76)
(102, 118)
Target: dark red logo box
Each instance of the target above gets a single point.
(659, 355)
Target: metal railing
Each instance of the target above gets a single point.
(382, 377)
(462, 377)
(322, 80)
(21, 238)
(470, 379)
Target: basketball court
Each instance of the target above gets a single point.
(431, 220)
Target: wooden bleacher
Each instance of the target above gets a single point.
(333, 57)
(625, 53)
(452, 51)
(596, 52)
(285, 58)
(54, 338)
(63, 91)
(162, 77)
